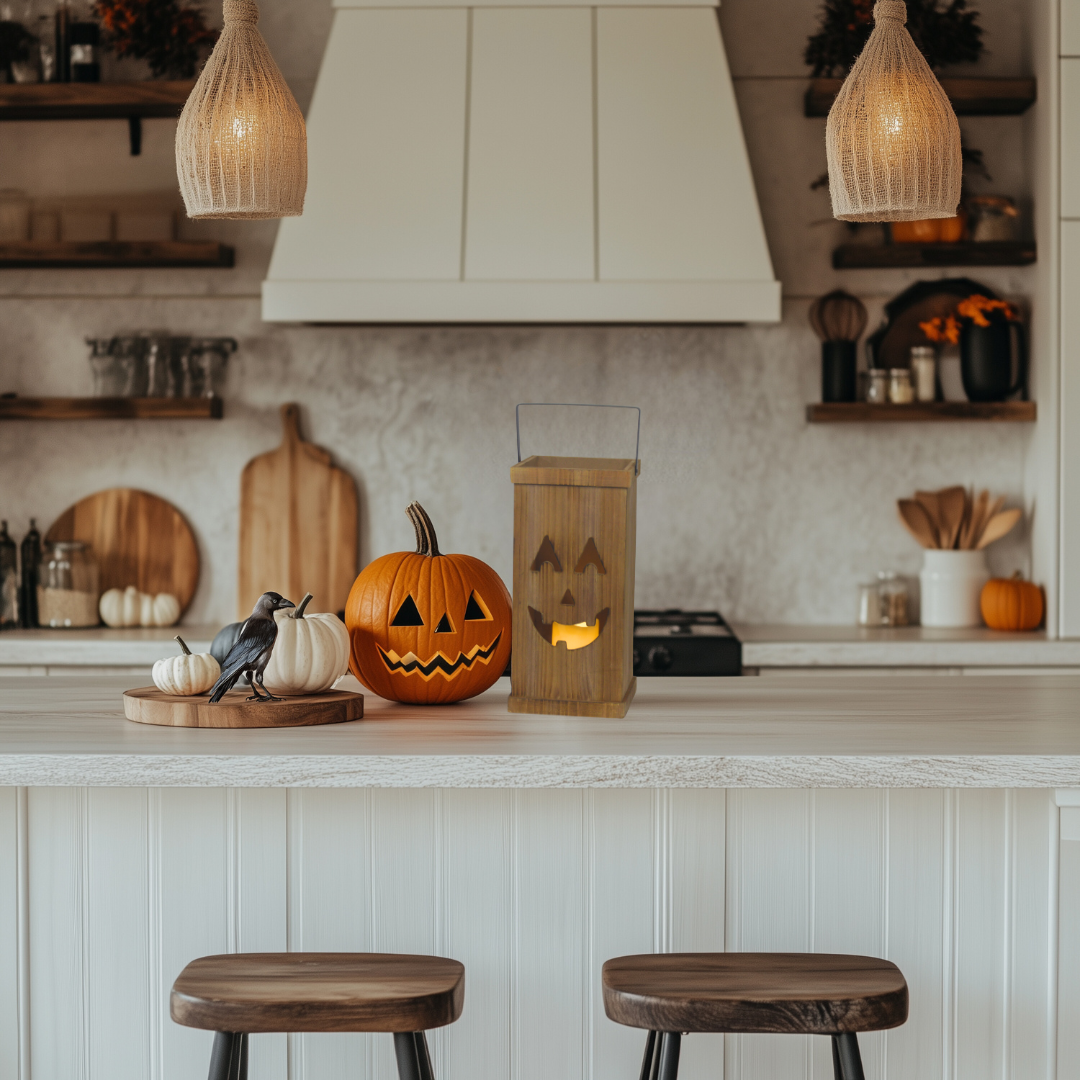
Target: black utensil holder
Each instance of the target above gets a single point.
(838, 371)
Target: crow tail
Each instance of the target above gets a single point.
(224, 685)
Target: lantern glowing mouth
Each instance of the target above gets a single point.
(439, 664)
(572, 635)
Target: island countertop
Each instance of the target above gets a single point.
(855, 732)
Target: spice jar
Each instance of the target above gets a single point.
(924, 372)
(884, 602)
(877, 386)
(901, 391)
(68, 590)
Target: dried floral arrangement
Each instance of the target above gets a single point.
(977, 309)
(948, 34)
(169, 35)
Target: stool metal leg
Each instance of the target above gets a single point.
(647, 1071)
(669, 1056)
(413, 1058)
(228, 1059)
(846, 1060)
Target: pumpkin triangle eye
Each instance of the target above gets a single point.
(408, 614)
(546, 554)
(590, 556)
(476, 610)
(444, 626)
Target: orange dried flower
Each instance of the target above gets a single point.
(939, 329)
(976, 307)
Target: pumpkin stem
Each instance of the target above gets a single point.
(183, 645)
(299, 612)
(427, 543)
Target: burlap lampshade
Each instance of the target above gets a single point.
(892, 138)
(241, 145)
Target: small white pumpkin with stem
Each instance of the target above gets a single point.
(311, 652)
(186, 675)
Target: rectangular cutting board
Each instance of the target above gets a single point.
(298, 524)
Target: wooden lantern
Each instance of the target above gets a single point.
(574, 527)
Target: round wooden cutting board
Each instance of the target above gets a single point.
(139, 539)
(149, 705)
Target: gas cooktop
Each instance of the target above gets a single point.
(677, 642)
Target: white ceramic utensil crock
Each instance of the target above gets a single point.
(951, 583)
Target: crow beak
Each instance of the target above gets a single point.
(283, 604)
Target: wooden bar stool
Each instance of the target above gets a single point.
(242, 993)
(671, 994)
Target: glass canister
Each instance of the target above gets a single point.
(901, 392)
(877, 386)
(884, 602)
(924, 372)
(68, 589)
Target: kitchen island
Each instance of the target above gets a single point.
(929, 820)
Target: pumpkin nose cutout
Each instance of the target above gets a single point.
(444, 626)
(568, 598)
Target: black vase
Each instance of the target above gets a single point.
(993, 360)
(838, 371)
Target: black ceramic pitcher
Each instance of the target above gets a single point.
(993, 360)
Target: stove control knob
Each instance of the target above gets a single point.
(659, 658)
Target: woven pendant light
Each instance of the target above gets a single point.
(241, 145)
(892, 138)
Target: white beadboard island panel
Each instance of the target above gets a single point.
(532, 890)
(797, 732)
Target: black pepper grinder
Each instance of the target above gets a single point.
(30, 557)
(839, 319)
(9, 580)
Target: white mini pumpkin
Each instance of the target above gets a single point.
(187, 674)
(132, 606)
(111, 607)
(165, 610)
(311, 652)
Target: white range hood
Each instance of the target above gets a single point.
(524, 163)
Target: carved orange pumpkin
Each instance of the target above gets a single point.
(1012, 604)
(428, 628)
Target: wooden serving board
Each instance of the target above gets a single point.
(149, 705)
(298, 524)
(139, 539)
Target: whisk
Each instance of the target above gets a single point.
(839, 319)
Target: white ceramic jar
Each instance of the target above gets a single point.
(951, 584)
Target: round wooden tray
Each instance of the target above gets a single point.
(148, 705)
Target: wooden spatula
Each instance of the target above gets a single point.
(998, 526)
(917, 522)
(970, 534)
(951, 502)
(928, 500)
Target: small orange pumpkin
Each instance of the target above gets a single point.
(428, 628)
(1011, 604)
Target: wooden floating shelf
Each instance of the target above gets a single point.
(113, 254)
(969, 97)
(102, 408)
(93, 101)
(915, 256)
(862, 412)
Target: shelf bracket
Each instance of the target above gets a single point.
(135, 134)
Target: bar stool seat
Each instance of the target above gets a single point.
(238, 994)
(670, 994)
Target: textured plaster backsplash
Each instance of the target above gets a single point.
(742, 505)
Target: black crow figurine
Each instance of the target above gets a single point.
(251, 652)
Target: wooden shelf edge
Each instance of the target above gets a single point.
(93, 101)
(936, 256)
(114, 255)
(58, 408)
(861, 412)
(970, 96)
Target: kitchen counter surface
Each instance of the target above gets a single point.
(812, 731)
(99, 646)
(786, 646)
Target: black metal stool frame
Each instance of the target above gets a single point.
(229, 1057)
(661, 1061)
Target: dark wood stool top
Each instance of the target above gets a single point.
(252, 992)
(788, 993)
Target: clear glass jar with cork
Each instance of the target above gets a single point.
(68, 589)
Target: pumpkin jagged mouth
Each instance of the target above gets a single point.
(572, 635)
(439, 664)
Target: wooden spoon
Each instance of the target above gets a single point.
(928, 500)
(991, 511)
(998, 526)
(970, 535)
(951, 502)
(917, 522)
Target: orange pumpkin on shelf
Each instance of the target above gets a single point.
(425, 627)
(1012, 604)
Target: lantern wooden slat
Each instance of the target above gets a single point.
(571, 501)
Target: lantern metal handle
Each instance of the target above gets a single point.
(581, 405)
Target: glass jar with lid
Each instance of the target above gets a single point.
(68, 590)
(884, 602)
(901, 392)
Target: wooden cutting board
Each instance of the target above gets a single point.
(139, 539)
(298, 525)
(149, 705)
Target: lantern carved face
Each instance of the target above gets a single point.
(573, 585)
(425, 627)
(574, 635)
